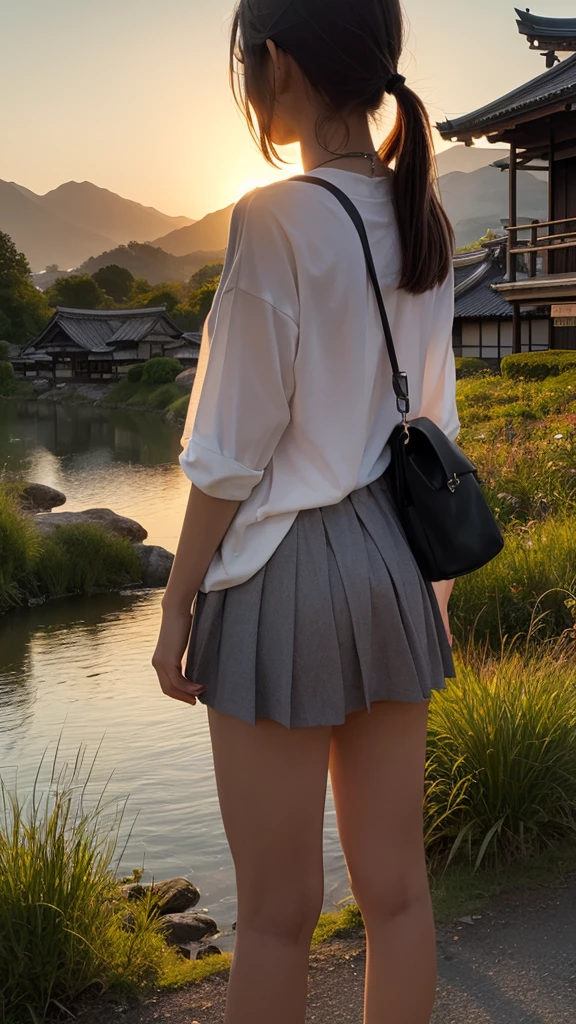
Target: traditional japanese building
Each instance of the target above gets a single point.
(98, 344)
(538, 122)
(482, 317)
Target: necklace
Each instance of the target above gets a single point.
(342, 156)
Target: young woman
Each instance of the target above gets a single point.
(315, 641)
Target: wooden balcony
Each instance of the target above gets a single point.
(542, 264)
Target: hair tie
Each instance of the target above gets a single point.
(393, 82)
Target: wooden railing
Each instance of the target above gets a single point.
(539, 245)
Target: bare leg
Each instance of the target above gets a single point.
(272, 790)
(377, 769)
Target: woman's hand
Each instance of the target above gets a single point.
(443, 591)
(205, 525)
(168, 656)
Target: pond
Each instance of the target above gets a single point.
(77, 672)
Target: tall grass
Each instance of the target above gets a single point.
(76, 559)
(81, 559)
(530, 587)
(528, 471)
(19, 547)
(501, 771)
(62, 919)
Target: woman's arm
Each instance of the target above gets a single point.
(206, 523)
(443, 591)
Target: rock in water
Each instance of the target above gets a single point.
(176, 895)
(156, 564)
(39, 498)
(182, 928)
(185, 380)
(120, 525)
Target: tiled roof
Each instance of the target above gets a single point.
(481, 300)
(533, 26)
(558, 83)
(99, 330)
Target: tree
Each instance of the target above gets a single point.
(168, 295)
(24, 310)
(13, 264)
(79, 291)
(115, 281)
(52, 268)
(211, 272)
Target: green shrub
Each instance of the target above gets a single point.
(3, 351)
(121, 392)
(501, 771)
(135, 374)
(19, 546)
(534, 576)
(468, 366)
(164, 396)
(82, 558)
(488, 398)
(161, 371)
(7, 380)
(62, 917)
(179, 408)
(538, 365)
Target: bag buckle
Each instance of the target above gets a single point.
(401, 390)
(453, 483)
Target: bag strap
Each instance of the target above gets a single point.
(399, 379)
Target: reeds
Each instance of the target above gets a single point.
(63, 924)
(501, 771)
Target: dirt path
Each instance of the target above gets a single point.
(516, 964)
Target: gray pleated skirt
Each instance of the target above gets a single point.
(340, 617)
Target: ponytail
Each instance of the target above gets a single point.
(426, 233)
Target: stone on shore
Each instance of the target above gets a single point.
(40, 498)
(156, 564)
(182, 928)
(48, 522)
(205, 951)
(185, 380)
(175, 895)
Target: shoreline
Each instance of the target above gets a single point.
(74, 395)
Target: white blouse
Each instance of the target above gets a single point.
(293, 403)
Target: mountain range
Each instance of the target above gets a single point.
(75, 221)
(81, 225)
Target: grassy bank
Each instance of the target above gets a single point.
(500, 810)
(74, 560)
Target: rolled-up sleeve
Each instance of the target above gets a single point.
(244, 403)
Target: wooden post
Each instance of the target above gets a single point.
(516, 328)
(513, 212)
(534, 242)
(551, 195)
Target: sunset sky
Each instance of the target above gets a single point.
(133, 94)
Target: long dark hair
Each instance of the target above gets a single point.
(348, 51)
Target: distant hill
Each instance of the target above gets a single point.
(45, 237)
(74, 221)
(150, 262)
(98, 209)
(209, 233)
(478, 200)
(468, 158)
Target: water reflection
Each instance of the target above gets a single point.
(80, 669)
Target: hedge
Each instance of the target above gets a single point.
(469, 366)
(538, 365)
(161, 371)
(6, 378)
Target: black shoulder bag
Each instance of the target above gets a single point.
(448, 524)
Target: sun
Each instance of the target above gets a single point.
(249, 184)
